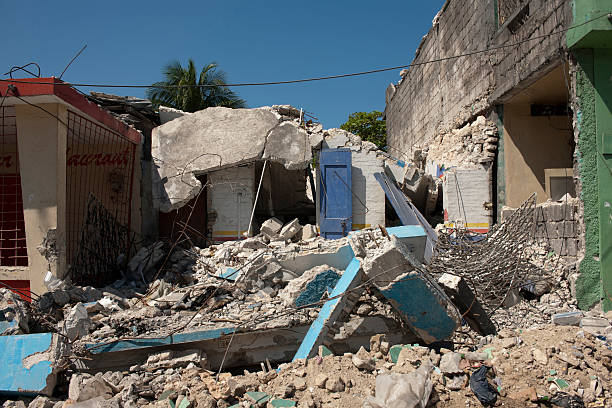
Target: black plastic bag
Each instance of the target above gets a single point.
(485, 392)
(567, 401)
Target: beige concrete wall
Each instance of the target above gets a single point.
(42, 158)
(532, 144)
(230, 201)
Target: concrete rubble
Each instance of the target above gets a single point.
(288, 318)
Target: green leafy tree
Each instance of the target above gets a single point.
(203, 91)
(369, 126)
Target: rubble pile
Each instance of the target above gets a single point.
(544, 366)
(534, 349)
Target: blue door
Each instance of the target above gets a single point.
(336, 217)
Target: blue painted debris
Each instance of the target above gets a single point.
(421, 307)
(351, 278)
(133, 344)
(325, 281)
(27, 366)
(229, 274)
(417, 299)
(414, 237)
(406, 211)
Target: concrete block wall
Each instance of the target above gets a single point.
(366, 190)
(558, 225)
(435, 97)
(230, 202)
(467, 199)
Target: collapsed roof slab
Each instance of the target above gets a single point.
(216, 138)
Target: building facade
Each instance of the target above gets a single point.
(539, 71)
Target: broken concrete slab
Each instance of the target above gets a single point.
(176, 358)
(290, 229)
(412, 293)
(595, 325)
(340, 300)
(271, 227)
(413, 237)
(289, 145)
(470, 308)
(216, 138)
(567, 318)
(77, 323)
(207, 139)
(308, 231)
(31, 363)
(166, 114)
(84, 387)
(339, 259)
(299, 287)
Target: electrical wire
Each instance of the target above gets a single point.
(313, 79)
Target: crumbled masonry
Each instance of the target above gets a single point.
(543, 346)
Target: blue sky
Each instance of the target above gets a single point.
(128, 42)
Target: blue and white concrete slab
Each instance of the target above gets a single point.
(351, 278)
(28, 364)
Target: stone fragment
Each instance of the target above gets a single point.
(449, 364)
(571, 360)
(290, 229)
(320, 380)
(271, 227)
(300, 384)
(146, 259)
(61, 297)
(525, 394)
(335, 384)
(41, 402)
(77, 323)
(308, 231)
(364, 309)
(363, 361)
(456, 382)
(539, 356)
(567, 318)
(402, 390)
(84, 387)
(595, 325)
(176, 358)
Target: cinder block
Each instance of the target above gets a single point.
(271, 227)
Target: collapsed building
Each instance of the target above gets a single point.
(253, 238)
(238, 167)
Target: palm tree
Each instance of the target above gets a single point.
(183, 90)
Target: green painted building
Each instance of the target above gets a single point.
(590, 42)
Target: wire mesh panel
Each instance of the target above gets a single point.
(99, 164)
(13, 250)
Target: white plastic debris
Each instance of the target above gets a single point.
(402, 390)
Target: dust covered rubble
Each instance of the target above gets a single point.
(190, 290)
(547, 365)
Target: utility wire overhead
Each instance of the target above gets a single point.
(295, 81)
